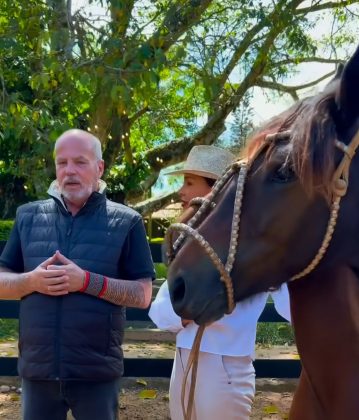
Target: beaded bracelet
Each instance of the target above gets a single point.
(94, 284)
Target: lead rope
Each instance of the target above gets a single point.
(224, 270)
(339, 184)
(192, 364)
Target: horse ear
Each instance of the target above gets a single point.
(339, 71)
(348, 92)
(337, 76)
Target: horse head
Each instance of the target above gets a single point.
(287, 201)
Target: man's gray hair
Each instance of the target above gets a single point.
(94, 140)
(97, 146)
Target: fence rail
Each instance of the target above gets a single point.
(151, 367)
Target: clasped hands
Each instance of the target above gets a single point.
(56, 276)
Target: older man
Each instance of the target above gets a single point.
(75, 260)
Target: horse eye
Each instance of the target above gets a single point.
(283, 174)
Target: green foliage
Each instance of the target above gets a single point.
(157, 240)
(9, 329)
(274, 333)
(124, 177)
(242, 124)
(146, 74)
(5, 228)
(161, 270)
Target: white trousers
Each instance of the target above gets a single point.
(224, 390)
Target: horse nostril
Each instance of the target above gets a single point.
(178, 290)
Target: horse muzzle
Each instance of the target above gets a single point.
(203, 308)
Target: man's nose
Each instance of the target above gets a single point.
(70, 168)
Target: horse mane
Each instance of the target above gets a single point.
(313, 131)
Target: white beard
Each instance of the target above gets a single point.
(77, 197)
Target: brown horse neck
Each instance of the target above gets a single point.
(325, 316)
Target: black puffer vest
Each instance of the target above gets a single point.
(77, 336)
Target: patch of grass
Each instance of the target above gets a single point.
(5, 228)
(9, 329)
(274, 333)
(156, 240)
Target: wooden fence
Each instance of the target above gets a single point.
(152, 367)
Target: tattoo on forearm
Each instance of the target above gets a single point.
(11, 284)
(125, 292)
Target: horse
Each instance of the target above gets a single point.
(288, 211)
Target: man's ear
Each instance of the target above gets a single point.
(101, 167)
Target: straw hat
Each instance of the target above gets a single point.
(206, 161)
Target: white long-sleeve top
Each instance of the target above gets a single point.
(232, 335)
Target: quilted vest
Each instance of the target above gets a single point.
(76, 336)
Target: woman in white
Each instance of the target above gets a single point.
(225, 379)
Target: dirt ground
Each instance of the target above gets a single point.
(147, 398)
(272, 401)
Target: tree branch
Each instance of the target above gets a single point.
(291, 89)
(274, 16)
(324, 6)
(120, 17)
(154, 203)
(299, 60)
(176, 24)
(138, 115)
(176, 151)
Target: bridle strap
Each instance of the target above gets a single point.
(207, 204)
(224, 275)
(325, 243)
(340, 182)
(188, 230)
(341, 175)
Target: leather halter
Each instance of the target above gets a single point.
(340, 182)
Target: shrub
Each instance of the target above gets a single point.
(161, 270)
(274, 333)
(9, 329)
(5, 228)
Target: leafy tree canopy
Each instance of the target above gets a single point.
(150, 78)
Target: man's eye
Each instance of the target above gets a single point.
(284, 174)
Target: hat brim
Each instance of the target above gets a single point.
(193, 172)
